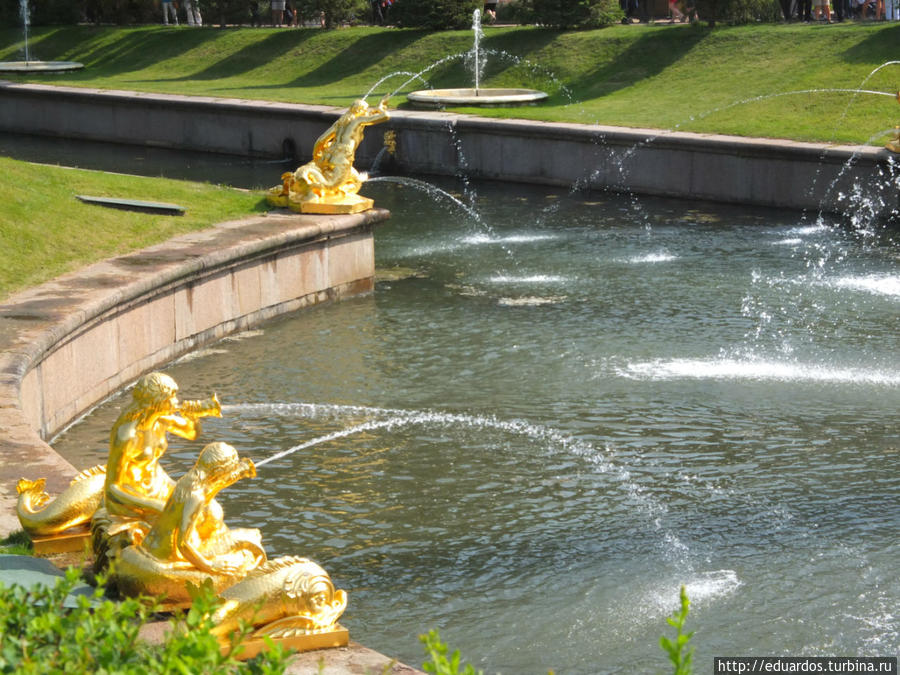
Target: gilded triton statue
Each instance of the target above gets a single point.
(329, 183)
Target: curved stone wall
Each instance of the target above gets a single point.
(70, 343)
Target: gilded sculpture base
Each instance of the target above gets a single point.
(350, 204)
(70, 541)
(337, 636)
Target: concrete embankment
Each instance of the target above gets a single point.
(760, 172)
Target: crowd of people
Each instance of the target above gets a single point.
(793, 10)
(839, 10)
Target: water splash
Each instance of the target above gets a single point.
(760, 370)
(26, 21)
(478, 33)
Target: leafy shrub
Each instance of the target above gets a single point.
(39, 633)
(435, 14)
(573, 13)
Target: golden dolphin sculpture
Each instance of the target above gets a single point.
(281, 598)
(42, 516)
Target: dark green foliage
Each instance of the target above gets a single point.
(40, 634)
(680, 657)
(572, 13)
(435, 14)
(736, 12)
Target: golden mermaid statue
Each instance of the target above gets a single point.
(329, 183)
(189, 541)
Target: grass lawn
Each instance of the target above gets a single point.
(45, 231)
(772, 81)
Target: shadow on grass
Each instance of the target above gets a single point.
(653, 51)
(254, 55)
(107, 51)
(878, 46)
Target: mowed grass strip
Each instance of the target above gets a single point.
(779, 81)
(45, 231)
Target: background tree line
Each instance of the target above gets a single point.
(429, 14)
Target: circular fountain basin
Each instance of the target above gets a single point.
(39, 66)
(436, 98)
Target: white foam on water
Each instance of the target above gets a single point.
(479, 239)
(532, 301)
(651, 602)
(244, 335)
(532, 279)
(886, 284)
(732, 369)
(200, 354)
(658, 257)
(788, 242)
(802, 230)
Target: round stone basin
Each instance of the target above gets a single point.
(38, 66)
(435, 98)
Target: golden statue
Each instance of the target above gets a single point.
(190, 542)
(136, 486)
(329, 183)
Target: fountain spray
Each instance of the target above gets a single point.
(26, 19)
(476, 29)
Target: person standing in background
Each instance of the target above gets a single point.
(192, 9)
(167, 7)
(277, 12)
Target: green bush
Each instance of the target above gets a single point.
(573, 13)
(39, 633)
(436, 14)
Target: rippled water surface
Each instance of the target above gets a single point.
(545, 420)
